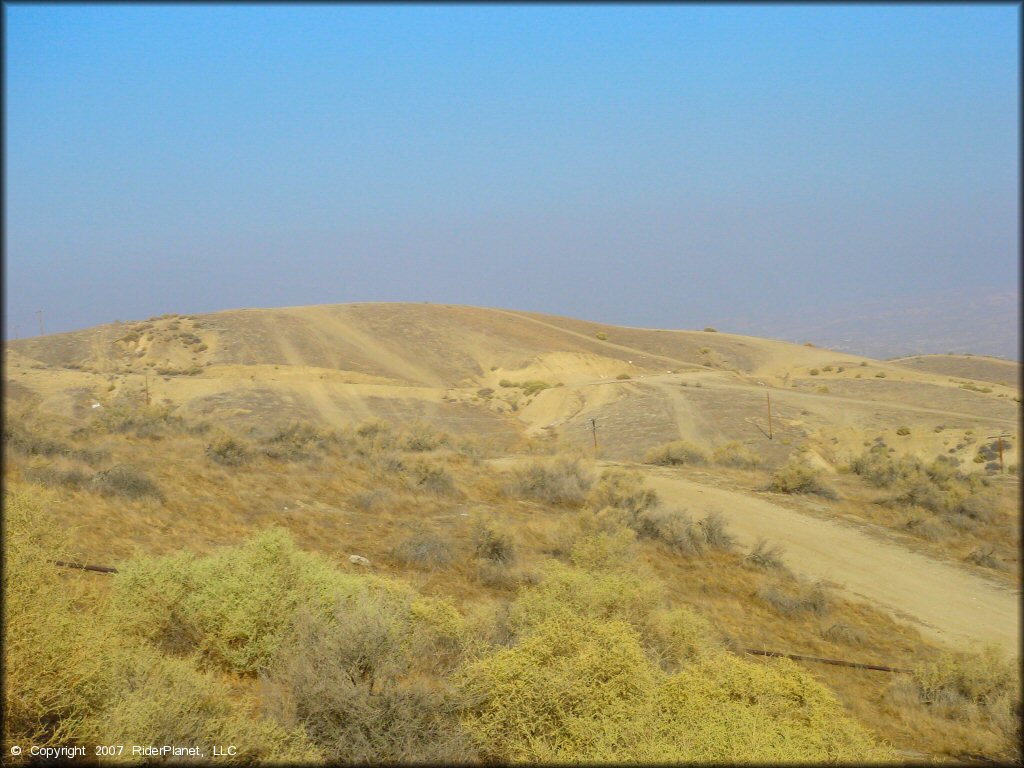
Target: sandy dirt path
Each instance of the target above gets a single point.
(947, 603)
(638, 353)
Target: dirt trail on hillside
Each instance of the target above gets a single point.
(639, 353)
(949, 604)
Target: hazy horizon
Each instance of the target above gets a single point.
(767, 169)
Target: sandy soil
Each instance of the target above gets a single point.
(343, 363)
(944, 601)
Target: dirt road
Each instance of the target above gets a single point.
(947, 603)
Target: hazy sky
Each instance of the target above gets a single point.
(660, 166)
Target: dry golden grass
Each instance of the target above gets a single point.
(968, 518)
(374, 491)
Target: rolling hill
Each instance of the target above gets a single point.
(453, 448)
(510, 375)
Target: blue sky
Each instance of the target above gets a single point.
(666, 165)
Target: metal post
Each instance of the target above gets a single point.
(147, 387)
(999, 438)
(769, 396)
(39, 313)
(593, 426)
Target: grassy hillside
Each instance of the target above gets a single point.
(413, 490)
(973, 367)
(505, 374)
(489, 560)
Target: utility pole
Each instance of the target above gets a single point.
(593, 427)
(15, 330)
(999, 437)
(39, 313)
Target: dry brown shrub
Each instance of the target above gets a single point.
(561, 481)
(676, 453)
(425, 549)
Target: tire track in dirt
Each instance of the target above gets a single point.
(638, 353)
(948, 603)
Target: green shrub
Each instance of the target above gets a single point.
(547, 698)
(233, 607)
(53, 661)
(676, 453)
(562, 481)
(601, 336)
(610, 592)
(73, 677)
(623, 377)
(582, 690)
(814, 372)
(680, 635)
(903, 431)
(723, 709)
(604, 550)
(880, 375)
(799, 478)
(980, 677)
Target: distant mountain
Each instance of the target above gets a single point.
(981, 323)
